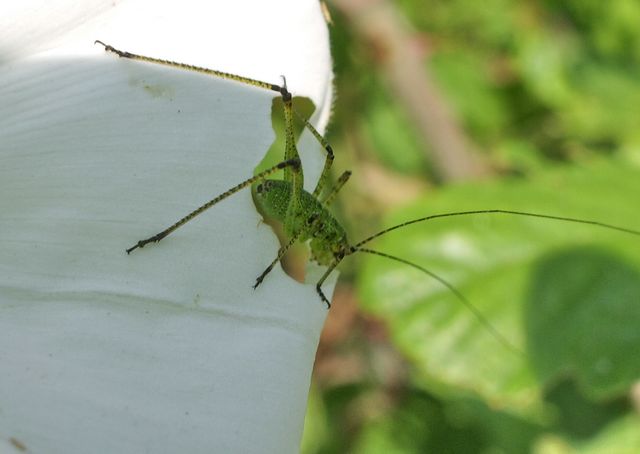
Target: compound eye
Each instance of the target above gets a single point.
(311, 219)
(259, 188)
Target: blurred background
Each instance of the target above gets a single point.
(450, 105)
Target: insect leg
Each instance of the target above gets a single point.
(334, 191)
(328, 161)
(293, 175)
(281, 252)
(324, 278)
(261, 176)
(210, 72)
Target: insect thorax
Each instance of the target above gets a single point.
(311, 219)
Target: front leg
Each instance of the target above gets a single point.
(281, 252)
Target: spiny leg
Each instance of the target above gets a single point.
(297, 178)
(282, 89)
(281, 252)
(328, 161)
(334, 191)
(324, 278)
(211, 72)
(261, 176)
(290, 151)
(293, 176)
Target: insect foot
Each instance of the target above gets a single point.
(258, 282)
(140, 244)
(322, 297)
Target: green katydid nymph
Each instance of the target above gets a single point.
(304, 215)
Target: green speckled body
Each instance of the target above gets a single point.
(312, 221)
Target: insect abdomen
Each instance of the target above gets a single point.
(312, 220)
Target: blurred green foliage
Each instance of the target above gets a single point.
(532, 81)
(549, 90)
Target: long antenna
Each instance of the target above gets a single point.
(498, 211)
(479, 316)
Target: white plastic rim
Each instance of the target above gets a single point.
(168, 349)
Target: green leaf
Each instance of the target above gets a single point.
(466, 80)
(397, 145)
(422, 424)
(564, 294)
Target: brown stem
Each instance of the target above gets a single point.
(380, 24)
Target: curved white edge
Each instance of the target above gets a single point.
(168, 349)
